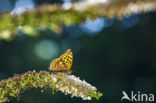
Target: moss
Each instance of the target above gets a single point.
(54, 16)
(68, 84)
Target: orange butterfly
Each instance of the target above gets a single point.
(63, 63)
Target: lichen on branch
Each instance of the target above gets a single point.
(54, 16)
(68, 84)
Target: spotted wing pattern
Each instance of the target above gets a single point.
(63, 63)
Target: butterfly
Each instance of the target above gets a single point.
(63, 63)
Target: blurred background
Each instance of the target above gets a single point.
(113, 55)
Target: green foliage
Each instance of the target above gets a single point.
(14, 86)
(53, 17)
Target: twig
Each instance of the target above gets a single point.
(53, 17)
(68, 84)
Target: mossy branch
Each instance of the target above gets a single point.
(68, 84)
(54, 16)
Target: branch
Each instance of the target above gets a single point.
(68, 84)
(53, 17)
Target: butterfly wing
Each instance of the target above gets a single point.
(56, 65)
(67, 59)
(63, 63)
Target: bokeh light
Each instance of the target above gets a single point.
(96, 1)
(47, 49)
(22, 5)
(112, 54)
(66, 0)
(128, 22)
(92, 27)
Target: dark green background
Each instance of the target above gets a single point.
(113, 60)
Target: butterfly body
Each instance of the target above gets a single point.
(63, 63)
